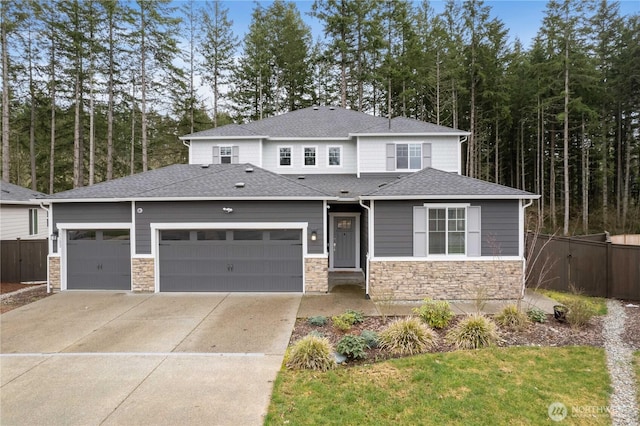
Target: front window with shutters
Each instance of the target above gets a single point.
(408, 156)
(226, 153)
(446, 230)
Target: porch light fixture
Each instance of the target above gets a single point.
(227, 210)
(54, 236)
(314, 235)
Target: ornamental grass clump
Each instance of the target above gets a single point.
(311, 353)
(580, 311)
(435, 313)
(407, 336)
(473, 332)
(512, 318)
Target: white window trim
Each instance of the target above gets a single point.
(278, 156)
(230, 155)
(303, 156)
(409, 169)
(33, 222)
(341, 148)
(466, 231)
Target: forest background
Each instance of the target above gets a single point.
(99, 89)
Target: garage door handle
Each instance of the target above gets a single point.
(229, 267)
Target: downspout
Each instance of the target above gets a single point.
(524, 262)
(460, 142)
(369, 242)
(50, 222)
(187, 143)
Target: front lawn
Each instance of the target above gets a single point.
(637, 365)
(490, 386)
(598, 303)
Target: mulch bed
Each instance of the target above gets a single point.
(22, 298)
(631, 334)
(549, 333)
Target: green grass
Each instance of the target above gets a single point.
(489, 386)
(598, 303)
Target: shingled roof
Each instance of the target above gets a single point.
(188, 181)
(14, 194)
(323, 122)
(432, 183)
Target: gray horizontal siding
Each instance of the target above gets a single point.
(394, 226)
(243, 211)
(91, 213)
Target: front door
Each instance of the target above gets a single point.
(344, 242)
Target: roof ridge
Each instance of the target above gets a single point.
(291, 180)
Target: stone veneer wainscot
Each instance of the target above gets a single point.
(316, 272)
(143, 274)
(54, 273)
(451, 280)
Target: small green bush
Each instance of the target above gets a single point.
(408, 336)
(537, 315)
(317, 321)
(311, 353)
(435, 313)
(342, 322)
(358, 317)
(371, 338)
(473, 332)
(512, 318)
(316, 333)
(352, 346)
(580, 311)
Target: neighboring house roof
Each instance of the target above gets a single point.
(14, 194)
(190, 181)
(432, 183)
(323, 122)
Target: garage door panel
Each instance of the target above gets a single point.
(251, 262)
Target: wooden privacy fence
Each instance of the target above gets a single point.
(23, 260)
(589, 263)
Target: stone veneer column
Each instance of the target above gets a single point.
(54, 273)
(452, 280)
(143, 274)
(316, 270)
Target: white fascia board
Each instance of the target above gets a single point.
(412, 134)
(228, 225)
(31, 202)
(302, 139)
(451, 197)
(120, 200)
(220, 138)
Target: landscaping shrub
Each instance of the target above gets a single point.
(311, 353)
(473, 332)
(371, 338)
(537, 315)
(342, 322)
(352, 346)
(435, 313)
(580, 311)
(358, 317)
(512, 318)
(317, 321)
(408, 336)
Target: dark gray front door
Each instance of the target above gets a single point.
(98, 259)
(231, 260)
(344, 239)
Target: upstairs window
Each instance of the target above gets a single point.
(226, 153)
(33, 221)
(334, 156)
(408, 156)
(309, 156)
(285, 156)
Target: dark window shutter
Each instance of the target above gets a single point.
(391, 157)
(419, 231)
(474, 238)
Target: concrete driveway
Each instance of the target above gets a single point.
(90, 358)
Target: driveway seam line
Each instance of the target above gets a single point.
(107, 323)
(46, 358)
(133, 390)
(201, 321)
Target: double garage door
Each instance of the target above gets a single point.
(240, 260)
(231, 260)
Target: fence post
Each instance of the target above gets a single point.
(19, 250)
(609, 274)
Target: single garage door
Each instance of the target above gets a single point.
(231, 260)
(98, 259)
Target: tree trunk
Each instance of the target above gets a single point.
(6, 162)
(143, 93)
(77, 159)
(32, 118)
(110, 89)
(566, 138)
(585, 181)
(552, 179)
(52, 95)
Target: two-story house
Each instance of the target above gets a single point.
(277, 204)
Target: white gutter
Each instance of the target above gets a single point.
(524, 257)
(150, 199)
(369, 242)
(451, 197)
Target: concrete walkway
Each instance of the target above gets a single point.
(90, 358)
(347, 297)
